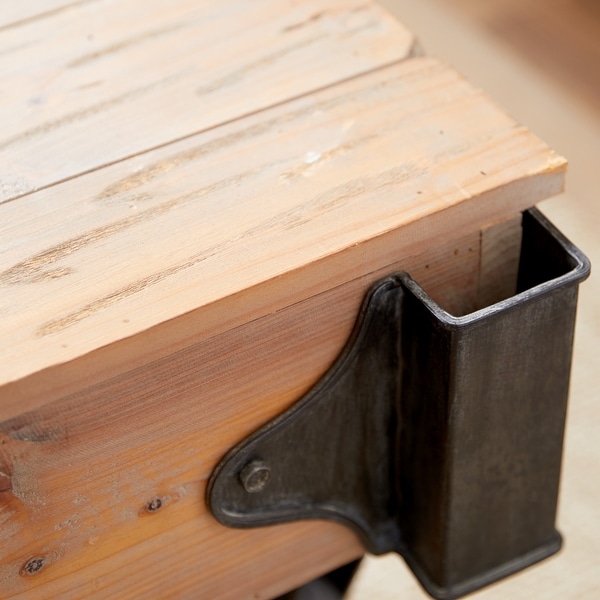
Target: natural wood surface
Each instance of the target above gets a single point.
(99, 81)
(162, 299)
(499, 265)
(305, 181)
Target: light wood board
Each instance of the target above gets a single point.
(99, 81)
(15, 14)
(110, 254)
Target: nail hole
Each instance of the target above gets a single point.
(157, 503)
(154, 505)
(33, 566)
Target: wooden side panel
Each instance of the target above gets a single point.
(95, 82)
(83, 471)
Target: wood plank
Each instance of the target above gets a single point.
(91, 83)
(300, 189)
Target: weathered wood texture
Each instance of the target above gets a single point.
(156, 310)
(124, 248)
(99, 81)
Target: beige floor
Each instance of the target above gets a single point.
(572, 128)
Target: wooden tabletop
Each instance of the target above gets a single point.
(190, 151)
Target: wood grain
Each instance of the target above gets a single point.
(105, 256)
(90, 83)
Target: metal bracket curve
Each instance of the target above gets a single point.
(434, 436)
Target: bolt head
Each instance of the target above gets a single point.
(255, 475)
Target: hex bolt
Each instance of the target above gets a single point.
(255, 475)
(33, 566)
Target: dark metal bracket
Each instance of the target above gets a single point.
(433, 436)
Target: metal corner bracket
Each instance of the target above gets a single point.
(433, 436)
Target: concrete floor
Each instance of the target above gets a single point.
(557, 114)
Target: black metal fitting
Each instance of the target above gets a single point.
(433, 436)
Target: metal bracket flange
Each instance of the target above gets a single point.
(434, 436)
